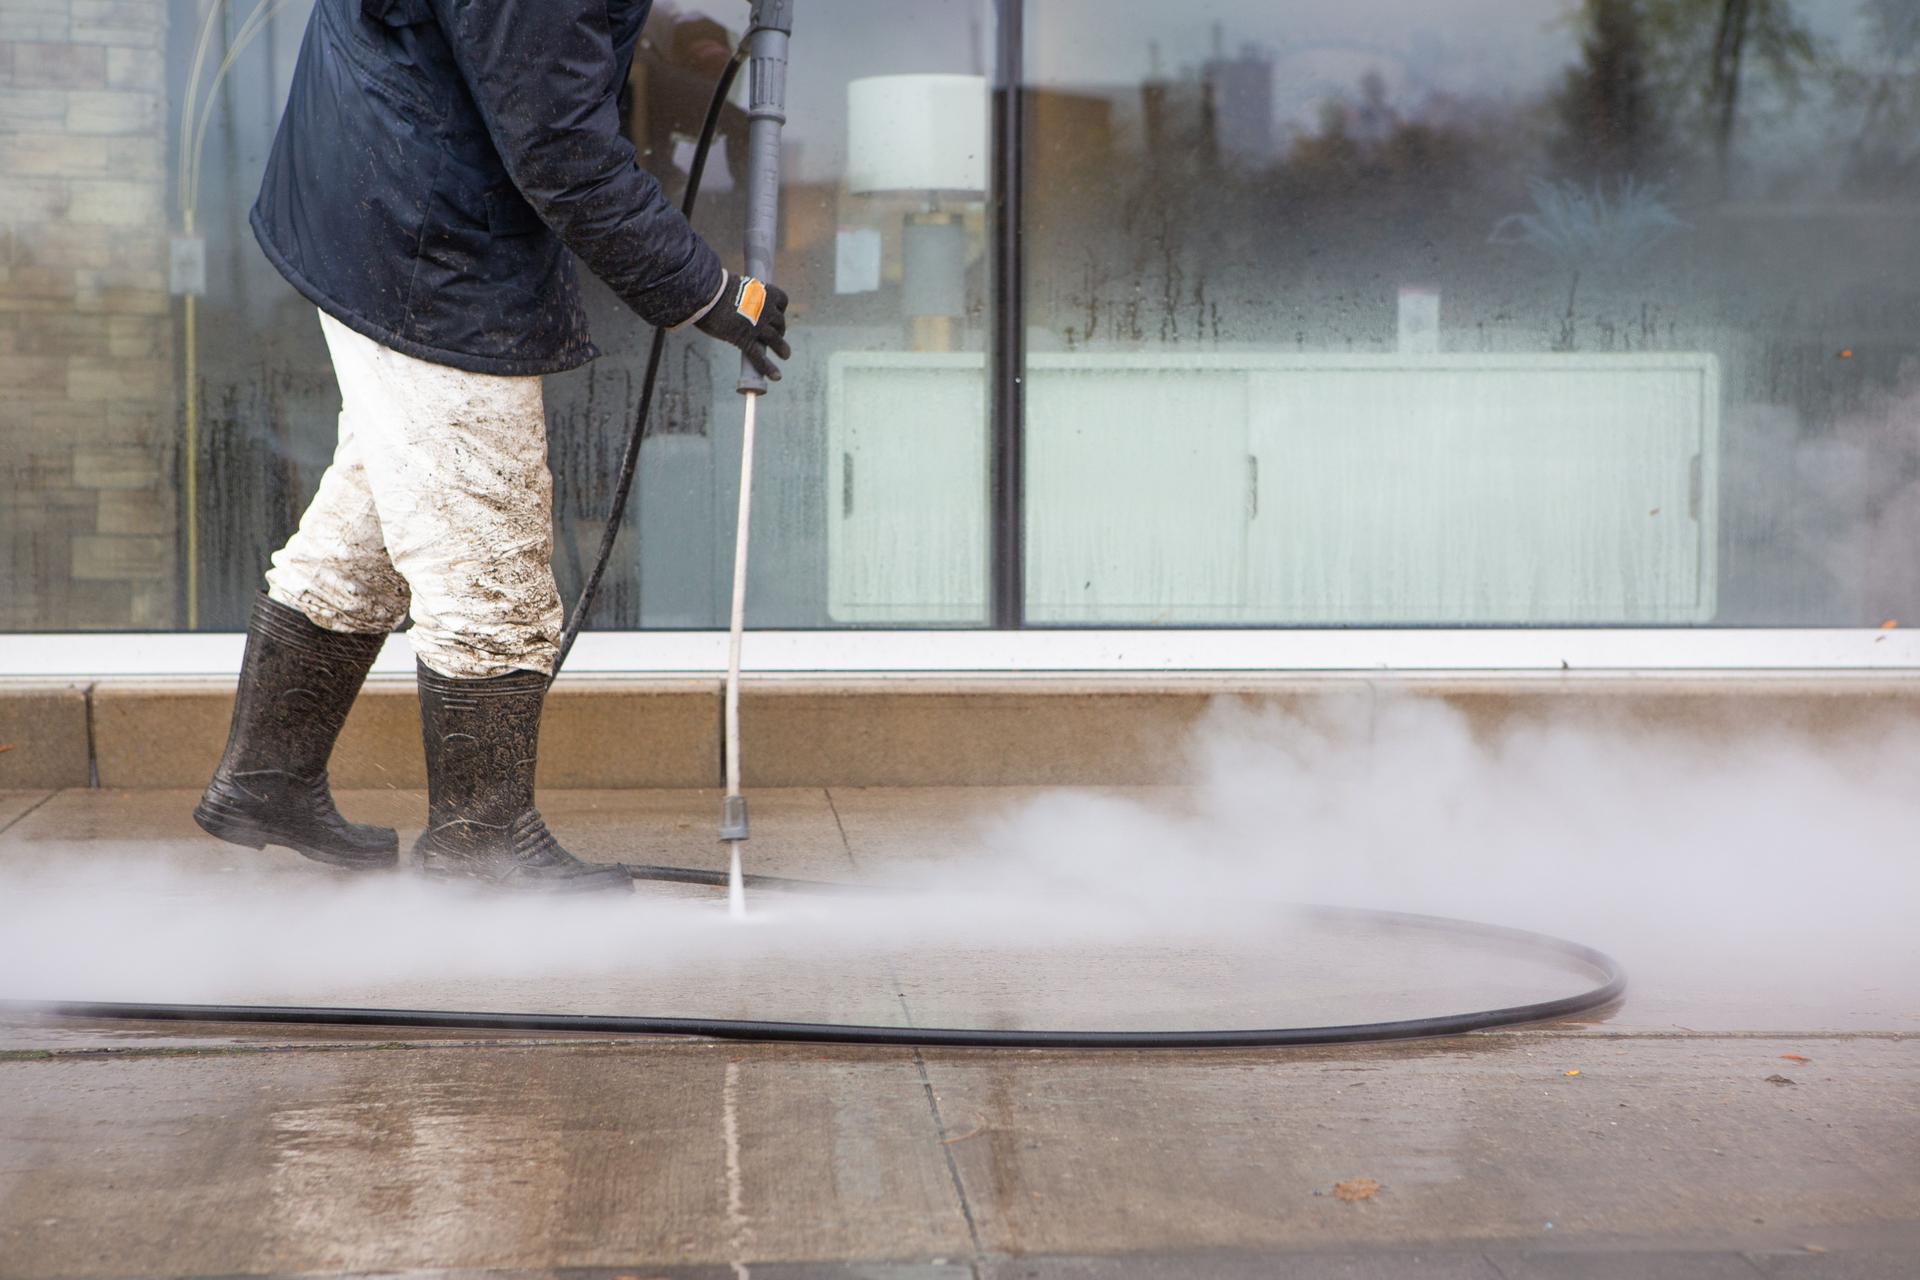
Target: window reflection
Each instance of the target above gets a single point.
(1474, 312)
(138, 494)
(1390, 312)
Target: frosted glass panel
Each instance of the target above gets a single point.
(906, 483)
(1556, 489)
(1137, 480)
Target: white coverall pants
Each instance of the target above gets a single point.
(438, 499)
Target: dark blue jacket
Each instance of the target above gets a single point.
(437, 160)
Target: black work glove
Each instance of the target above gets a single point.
(752, 316)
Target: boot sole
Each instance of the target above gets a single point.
(250, 834)
(444, 873)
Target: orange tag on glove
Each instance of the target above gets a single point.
(751, 299)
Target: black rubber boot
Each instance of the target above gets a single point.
(482, 738)
(296, 683)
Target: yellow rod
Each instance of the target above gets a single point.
(190, 463)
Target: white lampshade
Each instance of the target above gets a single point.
(917, 133)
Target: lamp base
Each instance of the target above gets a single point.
(933, 277)
(930, 333)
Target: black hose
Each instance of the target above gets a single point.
(630, 460)
(1612, 986)
(719, 880)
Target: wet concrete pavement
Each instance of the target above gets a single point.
(193, 1149)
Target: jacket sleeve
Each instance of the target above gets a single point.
(542, 73)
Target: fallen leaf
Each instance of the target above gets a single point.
(1796, 1057)
(1814, 1248)
(6, 748)
(1846, 353)
(1356, 1189)
(1574, 1072)
(1777, 1078)
(1890, 624)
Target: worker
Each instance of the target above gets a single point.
(439, 165)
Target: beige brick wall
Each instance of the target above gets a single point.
(88, 412)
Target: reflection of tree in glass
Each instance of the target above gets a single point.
(1610, 125)
(1372, 193)
(1884, 155)
(1700, 54)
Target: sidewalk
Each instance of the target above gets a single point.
(225, 1150)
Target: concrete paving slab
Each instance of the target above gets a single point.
(794, 830)
(373, 1159)
(16, 804)
(1299, 977)
(1484, 1138)
(1650, 1264)
(419, 946)
(1295, 974)
(710, 1271)
(1684, 998)
(615, 1155)
(1676, 986)
(1427, 1264)
(1852, 1264)
(44, 730)
(26, 1035)
(308, 1150)
(157, 829)
(969, 963)
(885, 825)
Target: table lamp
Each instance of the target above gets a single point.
(923, 136)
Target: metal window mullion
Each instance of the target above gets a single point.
(1008, 354)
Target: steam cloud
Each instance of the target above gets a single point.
(1760, 880)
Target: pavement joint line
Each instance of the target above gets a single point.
(940, 1133)
(953, 1165)
(841, 827)
(28, 812)
(93, 737)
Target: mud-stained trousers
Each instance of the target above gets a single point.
(438, 500)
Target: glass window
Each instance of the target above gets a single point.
(1379, 313)
(1483, 312)
(169, 408)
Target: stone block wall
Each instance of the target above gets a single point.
(89, 420)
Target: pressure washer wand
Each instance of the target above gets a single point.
(767, 36)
